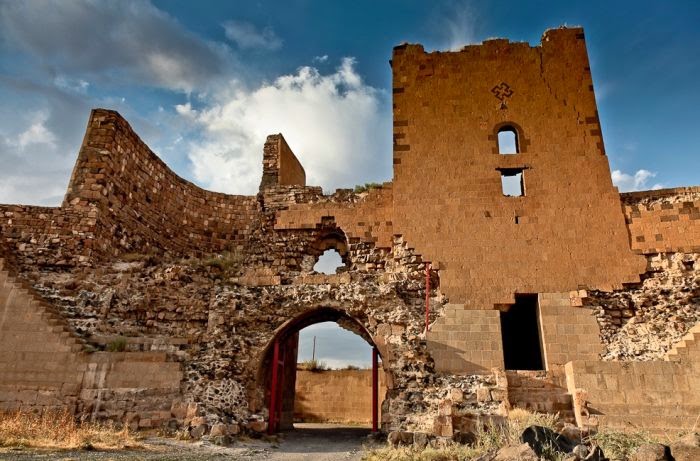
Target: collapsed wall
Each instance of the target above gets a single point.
(148, 272)
(649, 378)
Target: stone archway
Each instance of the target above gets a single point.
(278, 383)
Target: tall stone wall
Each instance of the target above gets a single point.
(280, 165)
(142, 204)
(567, 231)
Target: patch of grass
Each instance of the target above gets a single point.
(228, 262)
(312, 365)
(133, 257)
(619, 445)
(117, 345)
(488, 439)
(59, 430)
(366, 187)
(148, 259)
(450, 452)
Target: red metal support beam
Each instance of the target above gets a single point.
(272, 408)
(280, 386)
(427, 297)
(375, 389)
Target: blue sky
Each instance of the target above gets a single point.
(204, 82)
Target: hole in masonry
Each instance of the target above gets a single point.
(329, 262)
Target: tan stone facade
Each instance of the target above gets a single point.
(337, 396)
(163, 301)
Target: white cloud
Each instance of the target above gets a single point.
(36, 133)
(638, 181)
(128, 41)
(338, 127)
(323, 58)
(247, 36)
(44, 191)
(75, 85)
(186, 110)
(455, 22)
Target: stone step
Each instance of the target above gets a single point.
(131, 357)
(41, 377)
(44, 366)
(41, 356)
(34, 327)
(62, 336)
(681, 350)
(31, 345)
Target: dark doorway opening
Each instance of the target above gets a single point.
(521, 335)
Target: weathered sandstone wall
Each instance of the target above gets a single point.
(341, 396)
(657, 396)
(566, 232)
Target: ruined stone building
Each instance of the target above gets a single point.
(147, 300)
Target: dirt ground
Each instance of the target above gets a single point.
(312, 442)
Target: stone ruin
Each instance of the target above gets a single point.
(146, 300)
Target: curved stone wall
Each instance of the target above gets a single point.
(142, 204)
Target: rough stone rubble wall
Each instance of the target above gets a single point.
(644, 321)
(659, 396)
(46, 367)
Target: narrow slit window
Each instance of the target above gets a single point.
(508, 141)
(513, 182)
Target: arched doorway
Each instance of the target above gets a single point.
(278, 365)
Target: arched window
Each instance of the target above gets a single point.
(328, 254)
(508, 140)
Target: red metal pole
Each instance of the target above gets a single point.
(280, 385)
(272, 408)
(427, 297)
(375, 390)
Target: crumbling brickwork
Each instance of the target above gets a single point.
(166, 300)
(663, 221)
